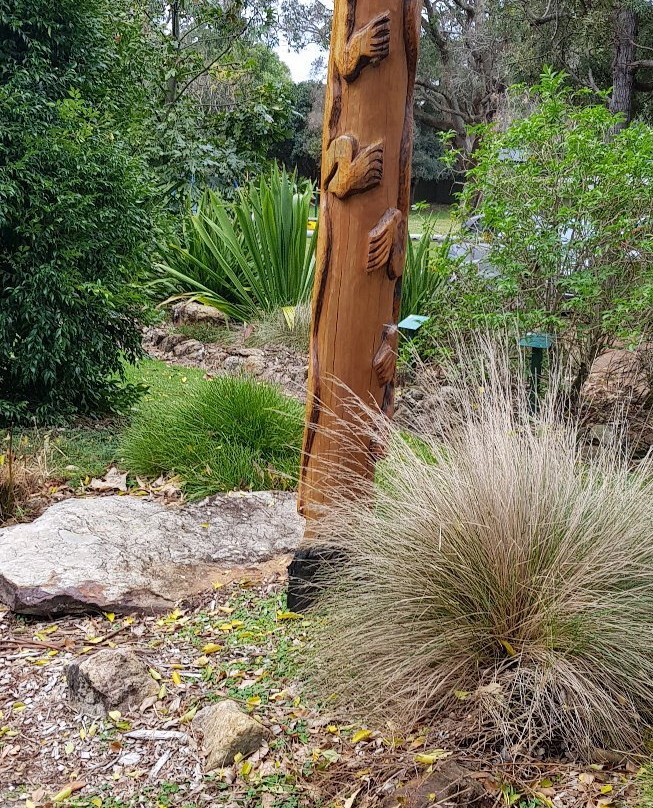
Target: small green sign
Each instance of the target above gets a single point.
(533, 340)
(413, 322)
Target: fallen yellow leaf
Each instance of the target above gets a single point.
(188, 716)
(361, 735)
(509, 649)
(110, 616)
(176, 678)
(289, 616)
(211, 648)
(429, 758)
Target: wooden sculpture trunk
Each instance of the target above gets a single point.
(365, 195)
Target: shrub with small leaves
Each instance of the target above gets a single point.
(75, 214)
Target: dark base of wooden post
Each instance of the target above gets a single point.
(305, 575)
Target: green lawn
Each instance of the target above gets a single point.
(436, 216)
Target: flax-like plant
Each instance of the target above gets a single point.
(249, 257)
(427, 268)
(495, 572)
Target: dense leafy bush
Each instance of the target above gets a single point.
(567, 211)
(224, 434)
(495, 572)
(248, 257)
(73, 216)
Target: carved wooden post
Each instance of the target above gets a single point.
(366, 157)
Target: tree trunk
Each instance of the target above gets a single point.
(365, 184)
(175, 32)
(625, 33)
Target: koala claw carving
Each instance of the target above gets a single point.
(369, 45)
(383, 243)
(385, 360)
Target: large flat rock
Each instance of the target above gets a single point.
(122, 553)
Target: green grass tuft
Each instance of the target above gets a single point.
(225, 434)
(208, 333)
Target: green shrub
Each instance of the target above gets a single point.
(75, 212)
(495, 573)
(248, 257)
(567, 211)
(225, 434)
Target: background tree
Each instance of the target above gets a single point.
(303, 148)
(472, 50)
(76, 210)
(210, 75)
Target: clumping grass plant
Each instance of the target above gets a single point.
(290, 326)
(225, 434)
(495, 573)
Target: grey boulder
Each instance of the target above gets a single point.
(126, 554)
(190, 312)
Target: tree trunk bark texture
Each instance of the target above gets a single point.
(363, 226)
(623, 77)
(175, 32)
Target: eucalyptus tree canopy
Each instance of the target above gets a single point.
(472, 50)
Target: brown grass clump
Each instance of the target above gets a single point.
(496, 573)
(21, 478)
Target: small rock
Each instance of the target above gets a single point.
(453, 785)
(130, 759)
(254, 365)
(226, 731)
(233, 364)
(191, 312)
(604, 434)
(111, 679)
(170, 341)
(189, 348)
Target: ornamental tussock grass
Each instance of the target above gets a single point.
(224, 434)
(496, 574)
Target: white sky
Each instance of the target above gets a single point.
(299, 63)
